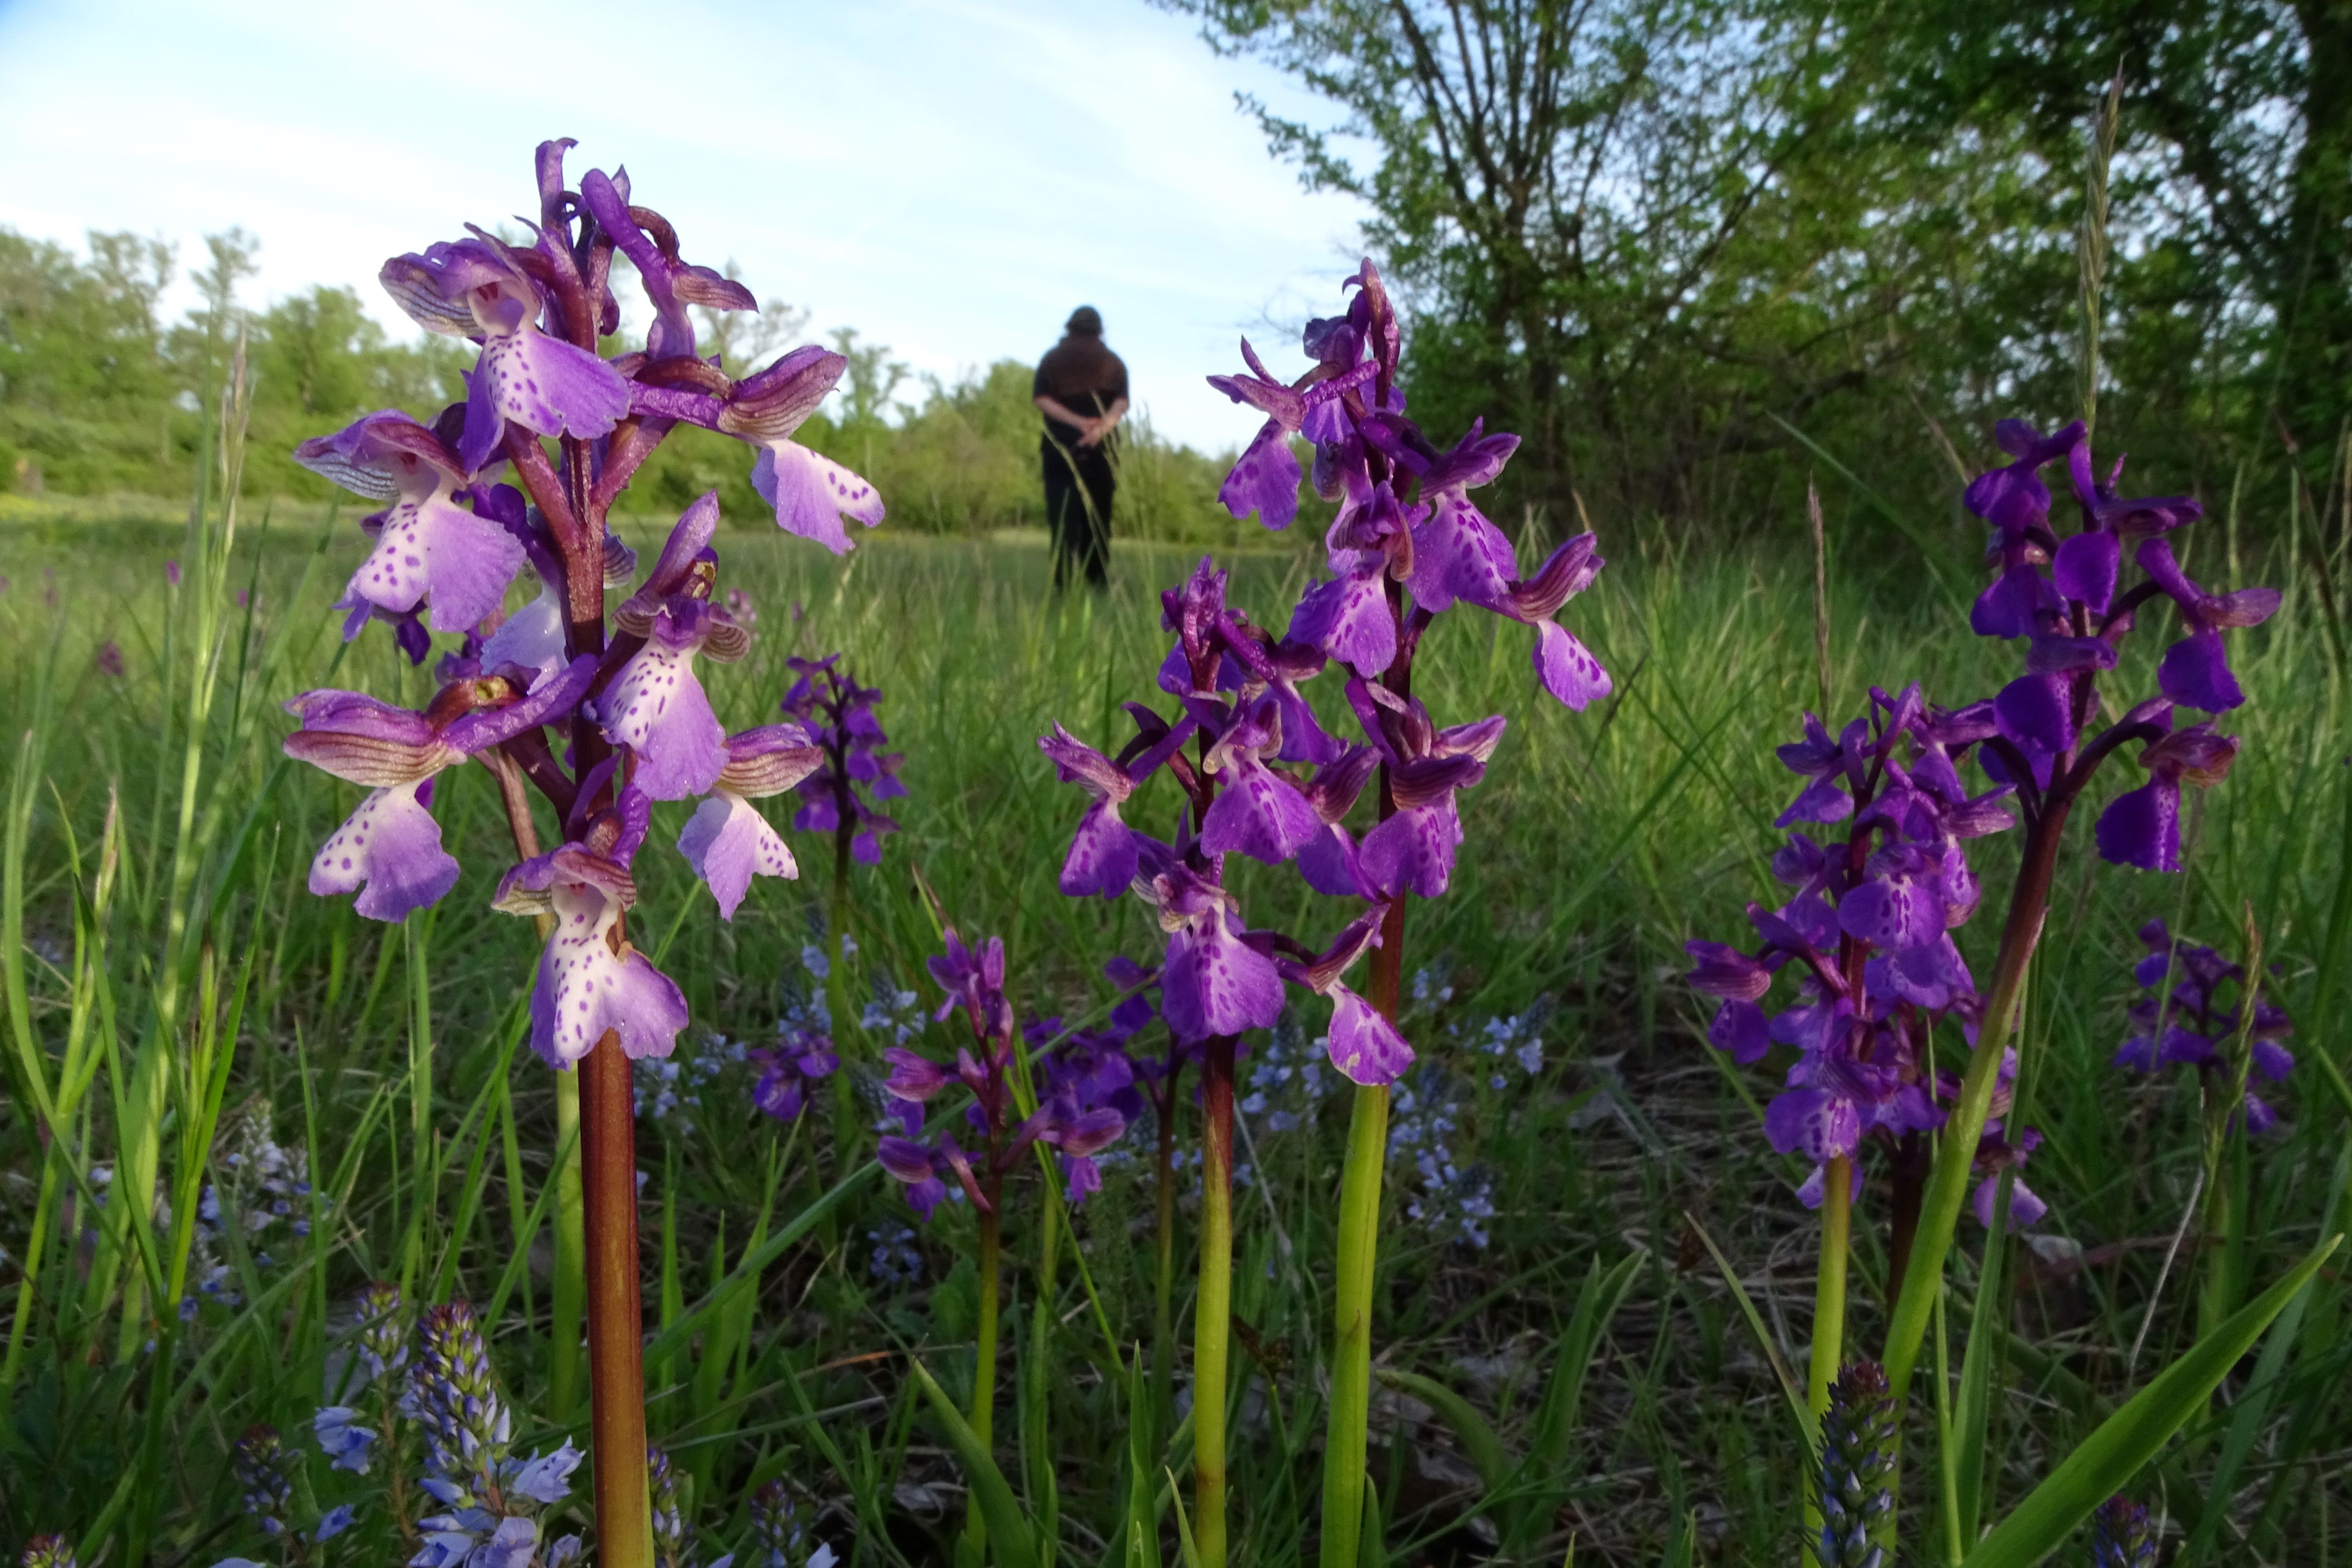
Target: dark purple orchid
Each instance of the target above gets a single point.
(1866, 930)
(974, 981)
(1250, 732)
(2065, 597)
(2187, 1025)
(1088, 1070)
(787, 1068)
(1406, 518)
(853, 770)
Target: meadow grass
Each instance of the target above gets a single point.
(159, 933)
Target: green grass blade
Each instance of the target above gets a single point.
(673, 1338)
(2111, 1455)
(1008, 1528)
(2252, 1411)
(1794, 1391)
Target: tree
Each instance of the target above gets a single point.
(2235, 157)
(1644, 218)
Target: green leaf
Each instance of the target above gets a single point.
(1008, 1527)
(1596, 1307)
(1478, 1439)
(1183, 1524)
(1372, 1551)
(1972, 1414)
(2112, 1455)
(1141, 1524)
(2252, 1412)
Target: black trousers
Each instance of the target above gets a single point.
(1080, 487)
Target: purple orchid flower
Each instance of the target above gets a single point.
(1405, 515)
(2142, 827)
(727, 841)
(1213, 981)
(1102, 858)
(389, 850)
(670, 283)
(811, 492)
(1413, 849)
(1258, 812)
(1996, 1154)
(974, 981)
(476, 289)
(2188, 1026)
(656, 707)
(1866, 929)
(787, 1068)
(588, 982)
(854, 770)
(2063, 596)
(428, 549)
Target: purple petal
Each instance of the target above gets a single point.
(585, 988)
(2033, 714)
(1259, 814)
(1349, 619)
(1458, 555)
(1304, 739)
(811, 494)
(2084, 568)
(1738, 1029)
(904, 1158)
(1215, 984)
(388, 851)
(430, 548)
(1363, 1045)
(1413, 849)
(543, 384)
(657, 708)
(2196, 673)
(1889, 913)
(531, 637)
(1727, 971)
(1264, 480)
(2142, 827)
(2006, 609)
(1566, 668)
(1102, 858)
(1331, 865)
(728, 843)
(1812, 1123)
(1824, 800)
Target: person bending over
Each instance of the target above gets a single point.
(1081, 389)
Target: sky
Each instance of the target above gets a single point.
(950, 178)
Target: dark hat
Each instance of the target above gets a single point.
(1085, 321)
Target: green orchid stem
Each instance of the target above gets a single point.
(1163, 1305)
(1828, 1308)
(568, 1291)
(1212, 1312)
(1347, 1433)
(1829, 1283)
(983, 1368)
(1348, 1423)
(1956, 1150)
(616, 1374)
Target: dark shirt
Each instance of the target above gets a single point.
(1083, 376)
